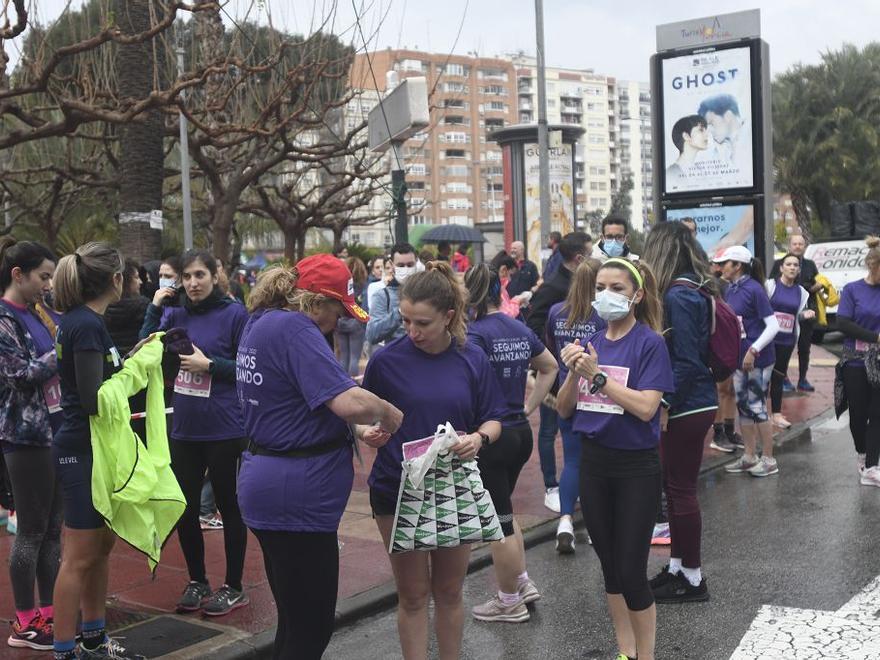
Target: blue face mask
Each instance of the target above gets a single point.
(166, 282)
(613, 248)
(611, 306)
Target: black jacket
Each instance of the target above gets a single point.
(548, 294)
(124, 320)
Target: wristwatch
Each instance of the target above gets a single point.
(484, 439)
(599, 381)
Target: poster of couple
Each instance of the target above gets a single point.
(707, 121)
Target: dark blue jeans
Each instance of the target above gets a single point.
(547, 429)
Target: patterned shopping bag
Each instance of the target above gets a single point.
(442, 502)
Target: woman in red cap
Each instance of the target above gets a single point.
(296, 475)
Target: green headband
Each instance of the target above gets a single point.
(628, 264)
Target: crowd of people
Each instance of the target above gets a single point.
(633, 360)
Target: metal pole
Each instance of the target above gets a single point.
(184, 167)
(492, 194)
(543, 133)
(398, 190)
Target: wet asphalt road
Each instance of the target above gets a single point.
(804, 538)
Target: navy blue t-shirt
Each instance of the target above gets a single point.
(80, 330)
(509, 345)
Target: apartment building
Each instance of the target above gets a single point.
(635, 149)
(454, 173)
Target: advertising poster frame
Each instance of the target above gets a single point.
(755, 120)
(756, 241)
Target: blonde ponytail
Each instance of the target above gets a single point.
(85, 275)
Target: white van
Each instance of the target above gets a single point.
(841, 262)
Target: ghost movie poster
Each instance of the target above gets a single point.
(707, 121)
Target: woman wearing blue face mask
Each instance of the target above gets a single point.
(612, 394)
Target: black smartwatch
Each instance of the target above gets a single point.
(599, 381)
(485, 439)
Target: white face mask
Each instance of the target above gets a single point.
(166, 282)
(611, 306)
(402, 272)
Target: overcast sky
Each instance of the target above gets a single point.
(614, 37)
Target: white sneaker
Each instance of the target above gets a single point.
(551, 499)
(565, 536)
(861, 463)
(871, 477)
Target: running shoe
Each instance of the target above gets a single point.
(860, 462)
(742, 464)
(193, 598)
(661, 535)
(679, 590)
(721, 443)
(208, 523)
(871, 476)
(110, 648)
(780, 421)
(36, 635)
(804, 386)
(787, 386)
(224, 600)
(551, 499)
(736, 440)
(765, 467)
(661, 578)
(495, 610)
(565, 536)
(528, 592)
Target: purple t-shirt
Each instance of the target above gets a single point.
(286, 373)
(509, 345)
(216, 416)
(639, 360)
(750, 303)
(786, 304)
(559, 334)
(860, 303)
(456, 386)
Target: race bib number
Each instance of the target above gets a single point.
(52, 394)
(742, 328)
(598, 402)
(862, 346)
(786, 322)
(190, 384)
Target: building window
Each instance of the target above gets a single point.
(496, 74)
(455, 87)
(418, 169)
(498, 105)
(454, 103)
(454, 119)
(455, 170)
(495, 90)
(456, 70)
(413, 65)
(460, 220)
(456, 153)
(419, 220)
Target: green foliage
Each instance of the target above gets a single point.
(621, 201)
(826, 132)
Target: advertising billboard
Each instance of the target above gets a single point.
(708, 114)
(561, 196)
(720, 226)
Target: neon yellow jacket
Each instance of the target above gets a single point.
(133, 486)
(826, 297)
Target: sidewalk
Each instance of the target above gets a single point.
(144, 607)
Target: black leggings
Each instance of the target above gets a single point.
(620, 498)
(36, 550)
(780, 371)
(303, 573)
(864, 413)
(189, 460)
(805, 342)
(500, 464)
